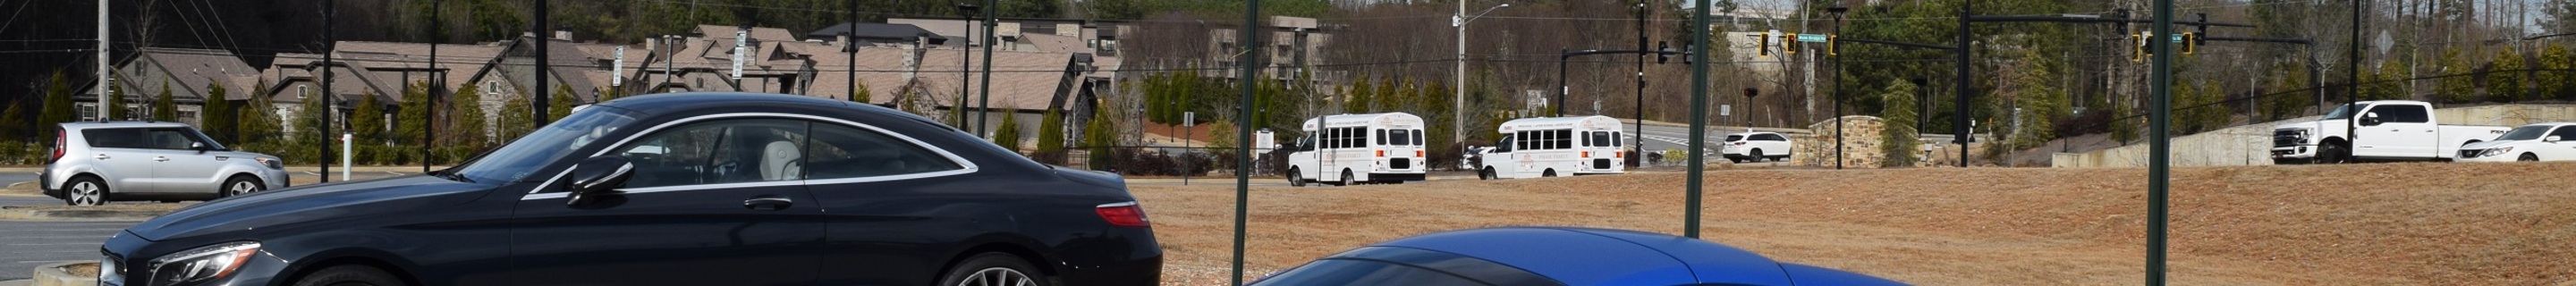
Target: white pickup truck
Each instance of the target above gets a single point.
(2387, 130)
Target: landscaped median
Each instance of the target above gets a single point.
(67, 274)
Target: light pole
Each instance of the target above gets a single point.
(1459, 113)
(1837, 77)
(966, 61)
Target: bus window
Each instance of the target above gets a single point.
(1399, 137)
(1417, 138)
(1381, 137)
(1601, 139)
(1565, 139)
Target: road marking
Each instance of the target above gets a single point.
(64, 237)
(39, 244)
(55, 261)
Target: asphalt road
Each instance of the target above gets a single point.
(26, 244)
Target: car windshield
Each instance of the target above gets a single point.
(2344, 112)
(515, 161)
(2526, 132)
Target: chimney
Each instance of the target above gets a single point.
(562, 34)
(843, 38)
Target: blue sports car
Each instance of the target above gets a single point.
(1513, 256)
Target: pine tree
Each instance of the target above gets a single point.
(860, 93)
(1009, 135)
(2504, 79)
(2456, 86)
(1096, 136)
(310, 133)
(58, 102)
(411, 123)
(116, 103)
(13, 123)
(2556, 81)
(258, 120)
(165, 109)
(559, 105)
(1356, 98)
(1899, 140)
(1389, 95)
(220, 121)
(367, 120)
(466, 122)
(1051, 138)
(517, 118)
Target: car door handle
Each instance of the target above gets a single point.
(767, 203)
(160, 158)
(101, 156)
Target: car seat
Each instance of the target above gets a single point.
(782, 160)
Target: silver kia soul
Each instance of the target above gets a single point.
(97, 162)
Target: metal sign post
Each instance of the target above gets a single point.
(1189, 120)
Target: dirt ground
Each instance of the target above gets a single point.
(2373, 224)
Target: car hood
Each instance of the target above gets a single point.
(2493, 144)
(262, 210)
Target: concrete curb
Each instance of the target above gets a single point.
(55, 275)
(13, 213)
(18, 283)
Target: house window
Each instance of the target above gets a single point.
(188, 116)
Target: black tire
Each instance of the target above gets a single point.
(1757, 155)
(1485, 174)
(240, 185)
(1738, 161)
(1346, 178)
(350, 275)
(2333, 153)
(2527, 157)
(1294, 180)
(993, 269)
(86, 191)
(1551, 173)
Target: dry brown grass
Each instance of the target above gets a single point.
(2375, 224)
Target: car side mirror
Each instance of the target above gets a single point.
(2550, 139)
(199, 146)
(598, 175)
(2370, 119)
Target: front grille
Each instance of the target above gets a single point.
(2469, 153)
(1601, 164)
(1400, 163)
(2287, 138)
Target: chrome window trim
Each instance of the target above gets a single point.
(966, 166)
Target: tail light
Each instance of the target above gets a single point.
(1587, 154)
(1417, 153)
(1620, 154)
(1381, 153)
(58, 146)
(1126, 214)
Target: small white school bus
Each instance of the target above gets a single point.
(1358, 148)
(1555, 146)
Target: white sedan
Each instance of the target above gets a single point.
(2536, 142)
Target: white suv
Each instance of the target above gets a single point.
(1755, 146)
(97, 162)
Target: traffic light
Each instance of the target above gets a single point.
(2190, 42)
(1766, 44)
(1663, 52)
(2138, 49)
(1688, 54)
(1832, 45)
(2203, 27)
(1789, 44)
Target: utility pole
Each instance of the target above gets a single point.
(1640, 112)
(1243, 172)
(851, 50)
(1459, 112)
(1959, 119)
(983, 110)
(966, 61)
(1837, 77)
(2159, 147)
(103, 66)
(540, 92)
(1698, 118)
(329, 106)
(437, 78)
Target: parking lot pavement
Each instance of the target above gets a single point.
(26, 244)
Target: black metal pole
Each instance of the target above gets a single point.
(1243, 172)
(966, 64)
(539, 102)
(1699, 120)
(1959, 116)
(2159, 161)
(1837, 77)
(1559, 105)
(436, 79)
(1641, 81)
(852, 53)
(328, 107)
(983, 111)
(2352, 84)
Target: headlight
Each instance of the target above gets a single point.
(2496, 151)
(110, 272)
(202, 264)
(272, 163)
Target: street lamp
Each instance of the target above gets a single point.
(966, 60)
(1459, 113)
(1837, 78)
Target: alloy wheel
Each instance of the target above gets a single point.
(86, 194)
(998, 276)
(240, 187)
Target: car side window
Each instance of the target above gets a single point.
(848, 152)
(168, 138)
(1770, 137)
(716, 152)
(2404, 114)
(114, 138)
(2565, 132)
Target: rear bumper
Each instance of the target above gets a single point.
(45, 182)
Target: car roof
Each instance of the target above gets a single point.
(1751, 133)
(1576, 256)
(120, 124)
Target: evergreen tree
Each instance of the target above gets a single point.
(1388, 95)
(517, 119)
(165, 109)
(258, 120)
(367, 120)
(466, 122)
(310, 133)
(1356, 98)
(1096, 136)
(2456, 85)
(411, 123)
(58, 102)
(1051, 137)
(13, 123)
(220, 120)
(559, 105)
(2504, 81)
(116, 109)
(1009, 135)
(1899, 140)
(2556, 81)
(860, 93)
